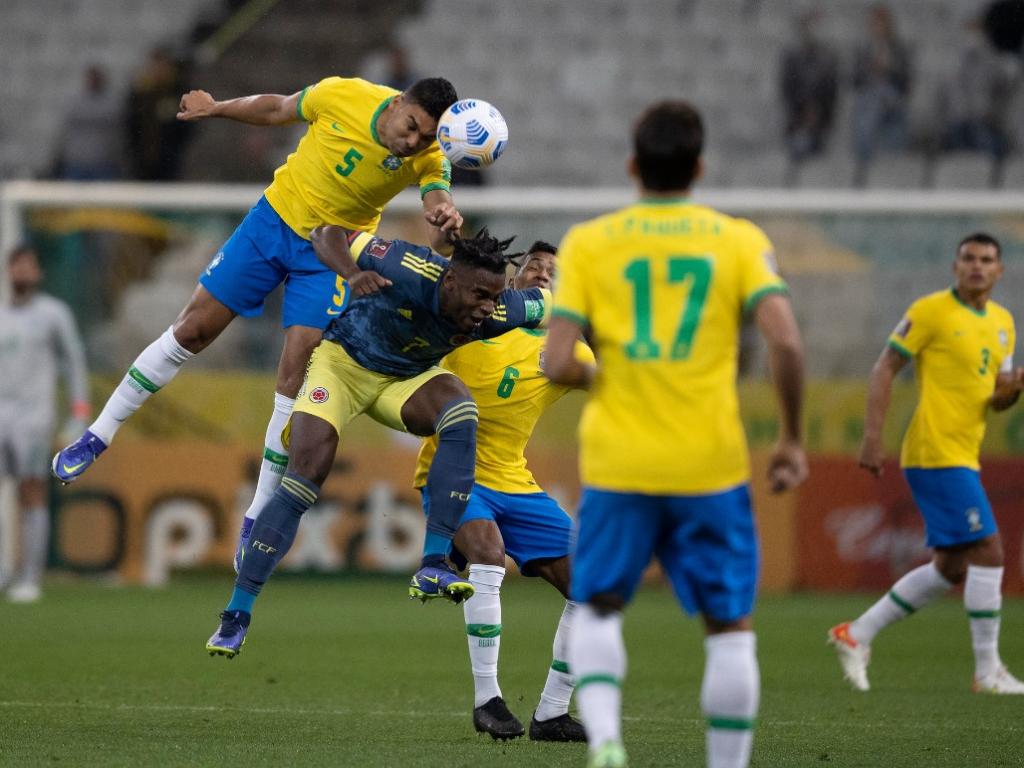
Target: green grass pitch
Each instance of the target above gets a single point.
(351, 673)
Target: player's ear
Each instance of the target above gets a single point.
(632, 168)
(698, 169)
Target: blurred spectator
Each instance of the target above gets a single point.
(90, 143)
(808, 83)
(1004, 25)
(156, 137)
(399, 75)
(881, 81)
(974, 104)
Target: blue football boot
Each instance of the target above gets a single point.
(230, 635)
(243, 542)
(72, 461)
(433, 581)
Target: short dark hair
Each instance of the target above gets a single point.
(540, 245)
(434, 94)
(19, 250)
(983, 238)
(483, 251)
(668, 139)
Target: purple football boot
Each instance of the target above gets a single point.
(72, 461)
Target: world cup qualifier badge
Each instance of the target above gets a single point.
(319, 395)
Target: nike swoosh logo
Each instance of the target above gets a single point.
(337, 127)
(433, 580)
(66, 468)
(488, 341)
(333, 312)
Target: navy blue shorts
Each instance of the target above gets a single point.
(261, 253)
(953, 504)
(706, 544)
(532, 525)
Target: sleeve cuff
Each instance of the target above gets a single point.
(434, 185)
(755, 298)
(568, 314)
(895, 345)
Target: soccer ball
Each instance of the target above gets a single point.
(472, 133)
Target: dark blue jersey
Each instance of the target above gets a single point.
(399, 331)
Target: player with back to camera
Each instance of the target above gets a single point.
(509, 512)
(39, 343)
(365, 144)
(662, 287)
(380, 358)
(962, 344)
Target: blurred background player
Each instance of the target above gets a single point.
(365, 143)
(39, 343)
(380, 358)
(962, 344)
(509, 512)
(663, 458)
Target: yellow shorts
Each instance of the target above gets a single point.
(337, 389)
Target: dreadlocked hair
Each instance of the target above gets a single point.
(483, 251)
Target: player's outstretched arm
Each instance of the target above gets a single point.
(444, 220)
(330, 244)
(262, 109)
(889, 363)
(560, 363)
(774, 317)
(1008, 388)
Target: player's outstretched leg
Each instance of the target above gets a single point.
(272, 536)
(551, 721)
(983, 600)
(449, 484)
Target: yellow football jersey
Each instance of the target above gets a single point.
(503, 374)
(957, 352)
(340, 173)
(663, 285)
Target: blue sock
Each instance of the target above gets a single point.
(272, 535)
(241, 601)
(451, 476)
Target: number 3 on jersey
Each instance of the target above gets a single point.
(694, 270)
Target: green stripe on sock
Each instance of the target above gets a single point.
(983, 614)
(483, 630)
(142, 381)
(606, 679)
(731, 723)
(901, 602)
(280, 459)
(560, 666)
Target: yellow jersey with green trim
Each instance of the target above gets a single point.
(504, 376)
(958, 352)
(340, 173)
(663, 286)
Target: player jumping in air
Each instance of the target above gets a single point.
(38, 342)
(663, 286)
(961, 343)
(365, 143)
(509, 512)
(380, 358)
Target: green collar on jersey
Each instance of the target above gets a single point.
(373, 120)
(664, 201)
(975, 310)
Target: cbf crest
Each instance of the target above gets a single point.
(1004, 338)
(391, 163)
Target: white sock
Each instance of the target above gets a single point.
(35, 543)
(483, 630)
(275, 456)
(156, 366)
(915, 590)
(729, 697)
(597, 657)
(554, 699)
(983, 599)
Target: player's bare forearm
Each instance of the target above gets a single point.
(889, 363)
(776, 323)
(1008, 389)
(330, 244)
(560, 362)
(261, 109)
(443, 219)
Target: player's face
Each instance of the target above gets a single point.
(408, 130)
(470, 296)
(25, 273)
(977, 268)
(537, 272)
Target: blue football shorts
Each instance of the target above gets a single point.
(707, 546)
(261, 253)
(953, 504)
(532, 525)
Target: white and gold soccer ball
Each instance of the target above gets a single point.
(472, 133)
